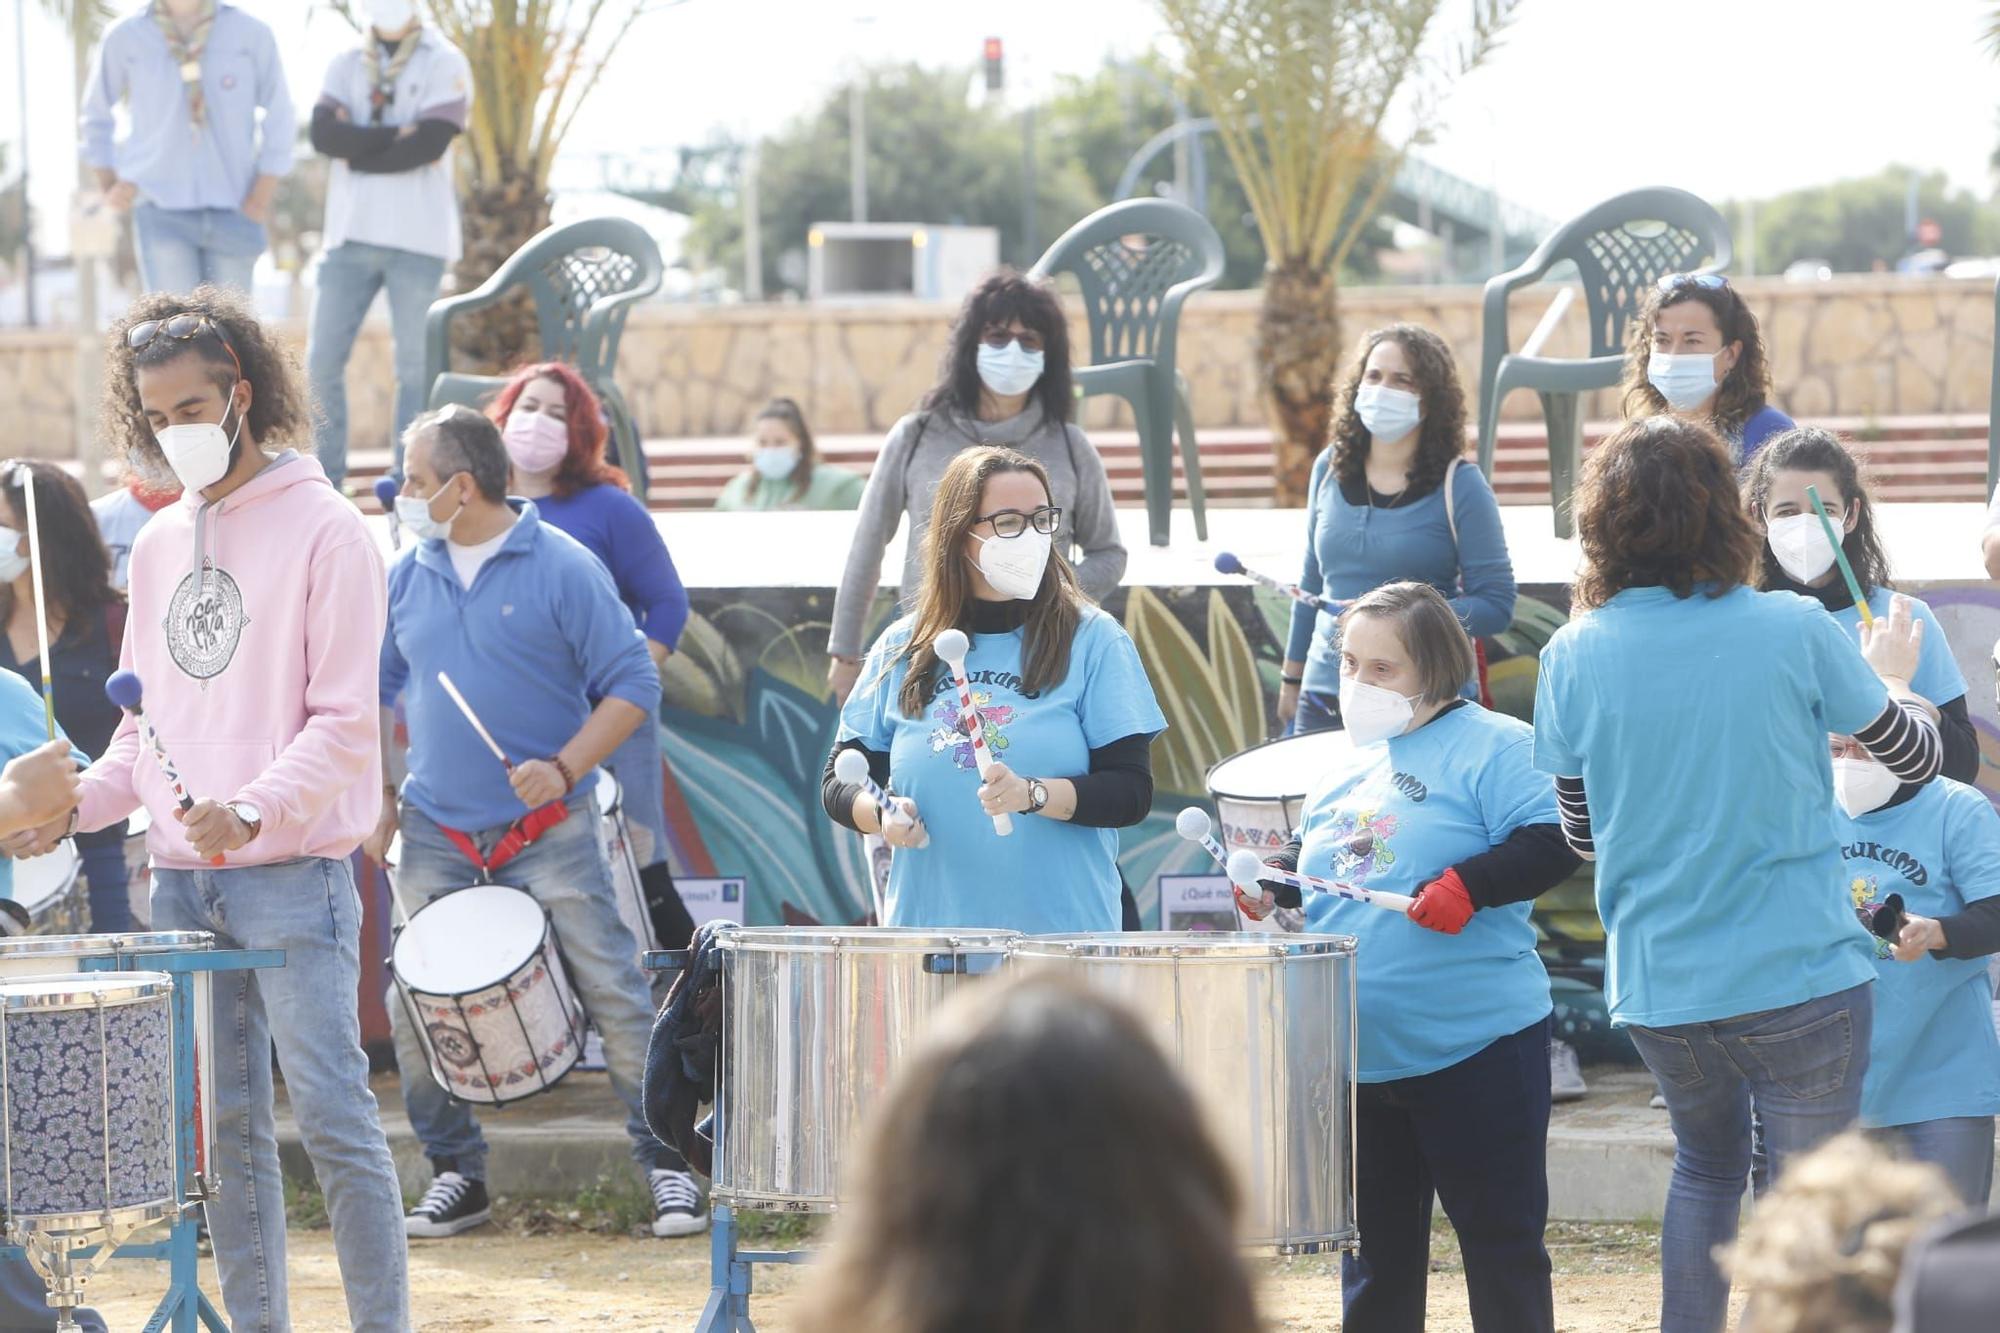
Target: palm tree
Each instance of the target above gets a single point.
(1301, 90)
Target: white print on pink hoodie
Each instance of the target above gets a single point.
(256, 629)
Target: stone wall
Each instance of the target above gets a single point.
(1857, 347)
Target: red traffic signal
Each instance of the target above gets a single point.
(993, 67)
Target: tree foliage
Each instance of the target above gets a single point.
(1854, 224)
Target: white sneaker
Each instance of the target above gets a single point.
(677, 1206)
(1658, 1101)
(1565, 1073)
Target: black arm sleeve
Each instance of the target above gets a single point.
(1961, 742)
(1285, 858)
(1574, 806)
(837, 797)
(410, 151)
(343, 138)
(1534, 859)
(1905, 739)
(1117, 792)
(1973, 933)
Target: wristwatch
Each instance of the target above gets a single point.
(1038, 795)
(247, 812)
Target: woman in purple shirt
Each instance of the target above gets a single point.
(555, 432)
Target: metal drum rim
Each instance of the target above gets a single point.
(107, 946)
(1196, 946)
(140, 1214)
(132, 988)
(862, 939)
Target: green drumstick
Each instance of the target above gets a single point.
(1840, 557)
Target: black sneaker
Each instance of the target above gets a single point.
(677, 1206)
(451, 1205)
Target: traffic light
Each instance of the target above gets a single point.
(993, 75)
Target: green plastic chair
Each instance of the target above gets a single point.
(585, 278)
(1136, 261)
(1621, 249)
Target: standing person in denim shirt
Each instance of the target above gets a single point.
(387, 115)
(208, 136)
(527, 623)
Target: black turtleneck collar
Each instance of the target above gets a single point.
(1834, 596)
(999, 617)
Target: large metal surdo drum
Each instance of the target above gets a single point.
(1262, 1028)
(1260, 793)
(814, 1025)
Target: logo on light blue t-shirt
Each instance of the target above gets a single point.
(1909, 867)
(954, 735)
(1361, 844)
(1867, 893)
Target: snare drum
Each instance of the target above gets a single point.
(1260, 794)
(1262, 1029)
(50, 889)
(486, 990)
(87, 1064)
(814, 1025)
(39, 955)
(616, 836)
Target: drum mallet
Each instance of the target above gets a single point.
(1193, 824)
(27, 475)
(851, 766)
(1227, 563)
(1244, 867)
(125, 690)
(1840, 557)
(477, 725)
(951, 648)
(385, 495)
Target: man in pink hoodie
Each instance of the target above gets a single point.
(257, 607)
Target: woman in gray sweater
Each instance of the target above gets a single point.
(1005, 381)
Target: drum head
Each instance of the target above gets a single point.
(469, 940)
(606, 792)
(42, 879)
(1280, 770)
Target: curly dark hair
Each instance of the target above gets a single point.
(1440, 437)
(1658, 508)
(1743, 391)
(1005, 296)
(74, 560)
(1811, 449)
(280, 407)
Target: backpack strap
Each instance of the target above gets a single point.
(1451, 500)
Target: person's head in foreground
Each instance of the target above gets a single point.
(1036, 1168)
(1821, 1252)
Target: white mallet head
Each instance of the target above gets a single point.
(952, 646)
(1244, 870)
(851, 766)
(1192, 823)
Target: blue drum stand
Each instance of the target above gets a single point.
(184, 1304)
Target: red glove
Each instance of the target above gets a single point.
(1443, 904)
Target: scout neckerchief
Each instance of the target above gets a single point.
(385, 65)
(186, 52)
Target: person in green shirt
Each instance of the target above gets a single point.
(785, 471)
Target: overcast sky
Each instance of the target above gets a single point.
(1727, 98)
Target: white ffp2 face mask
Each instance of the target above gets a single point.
(12, 561)
(1799, 542)
(1862, 785)
(200, 452)
(1685, 381)
(1015, 565)
(1372, 714)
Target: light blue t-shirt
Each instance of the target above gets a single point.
(1048, 876)
(1699, 728)
(1394, 817)
(1937, 678)
(1934, 1053)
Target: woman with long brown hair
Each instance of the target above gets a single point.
(1696, 351)
(1062, 704)
(987, 1204)
(786, 471)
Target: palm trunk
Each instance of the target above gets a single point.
(1298, 351)
(500, 217)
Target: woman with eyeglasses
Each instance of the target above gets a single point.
(86, 618)
(1005, 381)
(1696, 351)
(1063, 705)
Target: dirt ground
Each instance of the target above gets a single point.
(532, 1270)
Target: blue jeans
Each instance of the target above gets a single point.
(104, 875)
(565, 870)
(1801, 1068)
(308, 908)
(181, 248)
(349, 276)
(1961, 1146)
(1477, 1134)
(1317, 712)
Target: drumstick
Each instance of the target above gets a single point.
(385, 495)
(1840, 557)
(951, 648)
(851, 765)
(41, 598)
(125, 690)
(1246, 869)
(473, 718)
(1193, 824)
(1229, 564)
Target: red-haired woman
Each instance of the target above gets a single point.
(555, 430)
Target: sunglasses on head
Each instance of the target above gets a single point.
(183, 327)
(1713, 282)
(997, 338)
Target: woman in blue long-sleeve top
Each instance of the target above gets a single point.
(555, 431)
(1389, 501)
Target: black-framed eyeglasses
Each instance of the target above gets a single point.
(998, 338)
(1712, 282)
(181, 328)
(1012, 522)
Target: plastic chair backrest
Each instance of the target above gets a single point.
(570, 271)
(1624, 246)
(1126, 258)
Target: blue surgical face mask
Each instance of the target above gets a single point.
(414, 513)
(1685, 381)
(775, 462)
(1009, 370)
